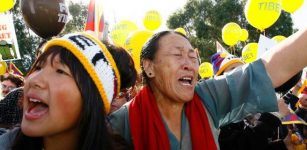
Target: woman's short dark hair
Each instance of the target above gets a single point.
(125, 65)
(94, 133)
(150, 48)
(16, 79)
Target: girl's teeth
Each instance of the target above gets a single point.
(34, 100)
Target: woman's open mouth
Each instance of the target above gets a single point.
(36, 109)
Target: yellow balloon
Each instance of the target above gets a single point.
(205, 70)
(243, 35)
(291, 5)
(278, 38)
(152, 20)
(121, 31)
(249, 52)
(231, 33)
(6, 5)
(181, 30)
(3, 67)
(261, 14)
(135, 43)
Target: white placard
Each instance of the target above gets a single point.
(264, 44)
(8, 42)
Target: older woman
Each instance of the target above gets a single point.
(174, 111)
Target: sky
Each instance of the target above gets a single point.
(300, 17)
(134, 10)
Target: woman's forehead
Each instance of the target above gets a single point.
(176, 41)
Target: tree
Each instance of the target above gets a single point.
(204, 20)
(78, 12)
(28, 41)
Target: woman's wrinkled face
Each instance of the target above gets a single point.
(174, 68)
(52, 101)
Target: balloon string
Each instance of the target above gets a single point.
(231, 48)
(234, 50)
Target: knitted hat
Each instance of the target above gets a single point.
(97, 61)
(222, 60)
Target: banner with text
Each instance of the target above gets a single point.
(9, 49)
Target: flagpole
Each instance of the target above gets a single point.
(95, 18)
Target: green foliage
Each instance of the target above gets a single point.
(27, 41)
(204, 19)
(78, 12)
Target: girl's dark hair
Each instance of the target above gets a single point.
(39, 48)
(151, 47)
(94, 133)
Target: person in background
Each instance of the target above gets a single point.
(129, 92)
(123, 97)
(67, 96)
(224, 62)
(9, 82)
(11, 109)
(301, 111)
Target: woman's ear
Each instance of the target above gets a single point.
(148, 68)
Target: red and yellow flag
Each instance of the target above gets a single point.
(12, 68)
(95, 18)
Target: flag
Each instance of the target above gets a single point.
(14, 70)
(303, 88)
(220, 48)
(95, 18)
(292, 118)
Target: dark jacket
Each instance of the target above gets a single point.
(7, 139)
(10, 110)
(302, 113)
(240, 136)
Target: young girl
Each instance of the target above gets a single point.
(67, 95)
